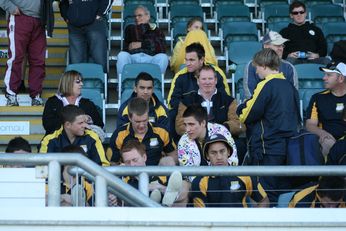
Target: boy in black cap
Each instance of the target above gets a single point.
(225, 191)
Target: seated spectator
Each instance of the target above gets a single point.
(74, 194)
(307, 43)
(328, 193)
(274, 41)
(17, 145)
(195, 33)
(197, 130)
(144, 42)
(271, 116)
(156, 139)
(337, 154)
(185, 81)
(221, 108)
(74, 131)
(165, 190)
(324, 113)
(69, 92)
(225, 191)
(144, 88)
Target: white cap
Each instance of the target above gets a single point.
(274, 38)
(332, 68)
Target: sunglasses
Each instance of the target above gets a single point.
(78, 81)
(297, 12)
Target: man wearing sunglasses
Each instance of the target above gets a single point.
(307, 43)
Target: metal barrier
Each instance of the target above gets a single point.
(105, 176)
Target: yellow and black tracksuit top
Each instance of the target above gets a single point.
(308, 198)
(226, 191)
(156, 140)
(327, 109)
(158, 112)
(90, 142)
(271, 115)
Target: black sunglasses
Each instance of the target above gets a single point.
(297, 12)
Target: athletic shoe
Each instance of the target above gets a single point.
(11, 100)
(174, 186)
(37, 101)
(155, 195)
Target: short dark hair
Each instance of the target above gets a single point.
(332, 187)
(296, 4)
(144, 76)
(267, 58)
(196, 111)
(133, 144)
(74, 149)
(18, 143)
(138, 106)
(70, 112)
(196, 47)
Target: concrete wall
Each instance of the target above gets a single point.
(170, 219)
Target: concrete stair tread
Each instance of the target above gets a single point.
(23, 110)
(32, 139)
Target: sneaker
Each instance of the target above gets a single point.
(155, 195)
(11, 100)
(174, 186)
(37, 101)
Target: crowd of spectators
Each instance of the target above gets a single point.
(202, 124)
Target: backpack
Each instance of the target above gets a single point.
(304, 149)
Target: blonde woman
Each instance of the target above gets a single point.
(195, 33)
(69, 92)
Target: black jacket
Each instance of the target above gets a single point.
(81, 12)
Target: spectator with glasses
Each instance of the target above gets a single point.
(69, 92)
(144, 42)
(307, 43)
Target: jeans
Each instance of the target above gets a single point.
(124, 58)
(89, 43)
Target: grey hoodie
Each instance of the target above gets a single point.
(27, 7)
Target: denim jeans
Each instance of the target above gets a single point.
(124, 58)
(89, 43)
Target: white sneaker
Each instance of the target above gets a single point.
(174, 186)
(155, 195)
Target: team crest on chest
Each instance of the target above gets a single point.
(154, 142)
(234, 186)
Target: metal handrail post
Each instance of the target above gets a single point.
(143, 183)
(54, 183)
(101, 198)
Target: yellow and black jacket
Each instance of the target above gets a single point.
(226, 191)
(271, 115)
(90, 142)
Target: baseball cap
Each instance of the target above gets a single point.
(274, 38)
(335, 68)
(215, 138)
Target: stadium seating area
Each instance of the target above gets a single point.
(231, 25)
